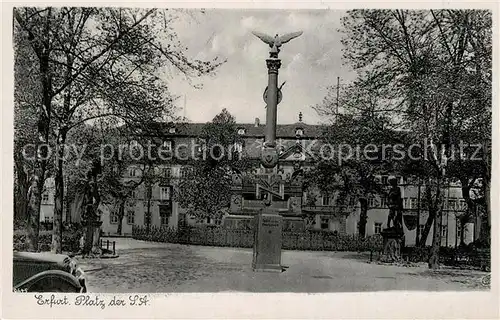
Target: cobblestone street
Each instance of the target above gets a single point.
(162, 267)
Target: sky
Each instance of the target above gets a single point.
(310, 63)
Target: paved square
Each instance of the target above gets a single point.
(163, 267)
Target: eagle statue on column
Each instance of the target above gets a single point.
(277, 41)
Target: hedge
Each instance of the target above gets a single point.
(222, 237)
(70, 239)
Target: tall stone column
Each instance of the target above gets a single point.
(273, 66)
(269, 156)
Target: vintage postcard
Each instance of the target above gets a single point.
(239, 160)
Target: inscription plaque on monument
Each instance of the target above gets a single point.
(267, 242)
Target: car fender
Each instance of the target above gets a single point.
(51, 277)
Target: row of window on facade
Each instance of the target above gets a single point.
(165, 194)
(165, 172)
(165, 212)
(377, 227)
(164, 218)
(408, 203)
(200, 146)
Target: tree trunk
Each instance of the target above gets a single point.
(430, 218)
(60, 148)
(436, 244)
(121, 214)
(38, 178)
(462, 231)
(149, 195)
(363, 216)
(38, 181)
(59, 195)
(427, 229)
(21, 194)
(34, 202)
(485, 230)
(436, 237)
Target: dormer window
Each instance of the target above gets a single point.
(299, 132)
(172, 130)
(241, 131)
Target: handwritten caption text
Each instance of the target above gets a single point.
(86, 300)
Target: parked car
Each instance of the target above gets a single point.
(47, 272)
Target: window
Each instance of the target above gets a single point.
(405, 203)
(452, 204)
(113, 217)
(167, 145)
(241, 131)
(326, 200)
(132, 172)
(413, 203)
(45, 197)
(165, 213)
(325, 222)
(184, 172)
(133, 194)
(47, 219)
(164, 220)
(299, 132)
(238, 147)
(383, 202)
(166, 172)
(165, 193)
(130, 217)
(377, 227)
(171, 130)
(371, 202)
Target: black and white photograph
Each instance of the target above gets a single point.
(212, 150)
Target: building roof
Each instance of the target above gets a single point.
(251, 129)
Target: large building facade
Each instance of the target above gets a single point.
(297, 144)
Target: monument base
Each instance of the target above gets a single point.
(267, 242)
(267, 268)
(392, 243)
